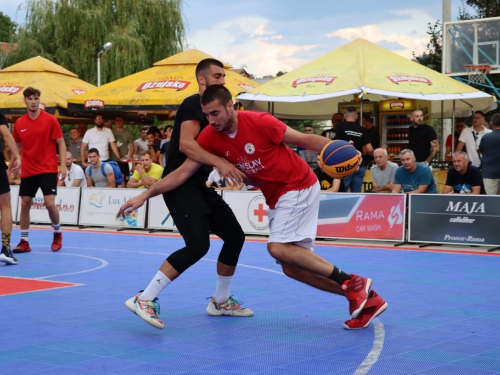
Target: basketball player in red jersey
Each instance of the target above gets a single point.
(255, 143)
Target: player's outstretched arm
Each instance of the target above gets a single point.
(166, 184)
(15, 161)
(308, 141)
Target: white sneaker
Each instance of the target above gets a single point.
(228, 307)
(7, 257)
(146, 309)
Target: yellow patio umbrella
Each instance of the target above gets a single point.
(158, 90)
(55, 83)
(364, 70)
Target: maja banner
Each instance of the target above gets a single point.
(250, 209)
(362, 216)
(100, 206)
(67, 201)
(454, 218)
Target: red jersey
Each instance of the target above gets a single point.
(38, 142)
(259, 152)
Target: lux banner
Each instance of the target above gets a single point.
(455, 219)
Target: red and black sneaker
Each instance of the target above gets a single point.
(23, 247)
(57, 242)
(373, 308)
(356, 291)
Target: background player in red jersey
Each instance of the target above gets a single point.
(38, 136)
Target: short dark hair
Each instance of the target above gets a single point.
(367, 117)
(28, 91)
(205, 64)
(216, 92)
(151, 131)
(142, 153)
(94, 150)
(99, 114)
(481, 113)
(351, 109)
(167, 127)
(495, 120)
(144, 128)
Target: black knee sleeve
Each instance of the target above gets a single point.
(184, 258)
(233, 243)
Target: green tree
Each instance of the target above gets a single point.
(72, 32)
(432, 57)
(482, 9)
(7, 28)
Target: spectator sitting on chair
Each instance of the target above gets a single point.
(383, 172)
(75, 176)
(459, 127)
(463, 178)
(413, 177)
(98, 179)
(146, 173)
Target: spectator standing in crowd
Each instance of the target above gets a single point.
(471, 138)
(75, 176)
(412, 176)
(6, 255)
(38, 136)
(100, 138)
(74, 147)
(153, 146)
(422, 138)
(373, 136)
(164, 144)
(327, 183)
(146, 173)
(350, 130)
(459, 127)
(383, 172)
(463, 178)
(96, 177)
(308, 155)
(125, 143)
(141, 143)
(489, 149)
(337, 118)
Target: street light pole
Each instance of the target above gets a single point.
(104, 48)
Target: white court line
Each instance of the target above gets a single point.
(363, 368)
(103, 264)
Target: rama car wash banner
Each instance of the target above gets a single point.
(99, 207)
(455, 219)
(362, 216)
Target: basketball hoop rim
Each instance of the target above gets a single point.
(479, 68)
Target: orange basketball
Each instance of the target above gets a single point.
(339, 159)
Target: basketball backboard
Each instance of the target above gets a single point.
(471, 42)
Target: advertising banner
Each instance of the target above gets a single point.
(362, 216)
(158, 215)
(250, 209)
(454, 218)
(14, 196)
(100, 206)
(67, 201)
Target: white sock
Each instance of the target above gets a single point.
(159, 282)
(57, 228)
(25, 234)
(222, 288)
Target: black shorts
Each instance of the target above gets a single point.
(45, 181)
(4, 181)
(191, 201)
(125, 169)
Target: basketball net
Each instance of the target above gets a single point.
(477, 73)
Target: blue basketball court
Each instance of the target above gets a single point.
(64, 313)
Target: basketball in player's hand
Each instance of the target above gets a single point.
(339, 159)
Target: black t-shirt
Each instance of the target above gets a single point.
(374, 137)
(463, 183)
(329, 133)
(325, 181)
(352, 131)
(419, 141)
(190, 109)
(3, 122)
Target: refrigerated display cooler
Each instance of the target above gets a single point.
(394, 121)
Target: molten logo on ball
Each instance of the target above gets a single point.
(339, 159)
